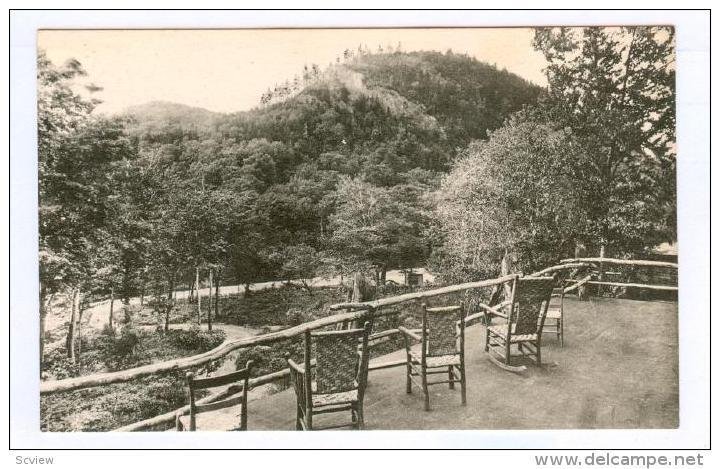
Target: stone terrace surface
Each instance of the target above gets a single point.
(618, 369)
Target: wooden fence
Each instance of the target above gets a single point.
(593, 266)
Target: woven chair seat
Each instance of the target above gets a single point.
(554, 313)
(214, 421)
(335, 398)
(443, 360)
(501, 331)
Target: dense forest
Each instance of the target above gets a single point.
(380, 160)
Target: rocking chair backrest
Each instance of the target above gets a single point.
(440, 329)
(337, 359)
(531, 296)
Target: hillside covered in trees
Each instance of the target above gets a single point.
(335, 167)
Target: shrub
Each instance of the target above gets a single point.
(296, 316)
(120, 351)
(269, 359)
(196, 339)
(59, 366)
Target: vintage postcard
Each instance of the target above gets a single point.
(209, 200)
(407, 228)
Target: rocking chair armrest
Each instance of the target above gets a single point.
(411, 334)
(494, 311)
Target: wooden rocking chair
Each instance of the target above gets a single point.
(340, 377)
(190, 422)
(442, 350)
(524, 322)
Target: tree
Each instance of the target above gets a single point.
(614, 88)
(301, 262)
(510, 198)
(384, 227)
(76, 153)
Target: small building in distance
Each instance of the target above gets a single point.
(413, 279)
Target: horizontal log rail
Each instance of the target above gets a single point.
(194, 361)
(635, 285)
(557, 268)
(578, 284)
(394, 300)
(101, 379)
(627, 262)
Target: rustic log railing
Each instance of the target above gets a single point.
(361, 310)
(223, 349)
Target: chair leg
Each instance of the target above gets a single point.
(408, 380)
(463, 396)
(425, 390)
(487, 339)
(451, 377)
(562, 332)
(360, 417)
(537, 353)
(557, 329)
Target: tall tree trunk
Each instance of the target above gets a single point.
(209, 312)
(505, 269)
(112, 303)
(199, 295)
(602, 267)
(78, 327)
(70, 341)
(142, 290)
(169, 306)
(580, 252)
(191, 296)
(217, 294)
(126, 285)
(45, 305)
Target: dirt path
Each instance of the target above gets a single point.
(96, 315)
(231, 331)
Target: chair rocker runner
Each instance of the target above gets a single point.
(191, 422)
(337, 382)
(524, 322)
(442, 350)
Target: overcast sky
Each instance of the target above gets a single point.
(228, 70)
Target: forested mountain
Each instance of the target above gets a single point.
(162, 120)
(466, 96)
(386, 124)
(374, 114)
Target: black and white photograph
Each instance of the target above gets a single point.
(358, 228)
